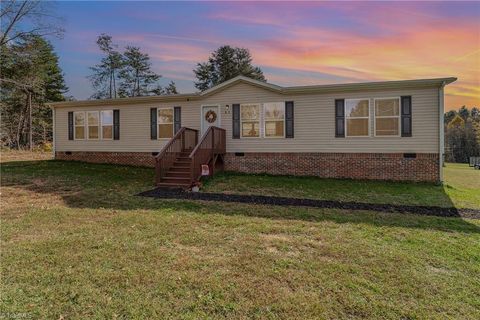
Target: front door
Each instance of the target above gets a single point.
(210, 117)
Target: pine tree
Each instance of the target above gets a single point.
(171, 88)
(105, 74)
(29, 66)
(226, 63)
(137, 76)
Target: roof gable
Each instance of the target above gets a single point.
(241, 79)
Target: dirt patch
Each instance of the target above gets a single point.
(16, 155)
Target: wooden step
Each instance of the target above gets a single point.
(182, 174)
(179, 169)
(183, 161)
(173, 185)
(183, 166)
(177, 180)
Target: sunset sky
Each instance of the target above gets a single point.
(293, 43)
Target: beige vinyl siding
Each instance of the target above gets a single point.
(134, 129)
(313, 122)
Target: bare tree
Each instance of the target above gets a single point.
(25, 18)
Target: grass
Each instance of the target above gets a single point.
(461, 188)
(76, 243)
(462, 185)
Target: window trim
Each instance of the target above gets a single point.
(101, 125)
(399, 117)
(88, 125)
(347, 117)
(264, 118)
(259, 121)
(172, 123)
(75, 126)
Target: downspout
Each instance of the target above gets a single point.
(441, 144)
(53, 132)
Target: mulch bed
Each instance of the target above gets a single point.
(163, 193)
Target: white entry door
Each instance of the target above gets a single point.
(210, 117)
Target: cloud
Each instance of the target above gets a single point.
(311, 42)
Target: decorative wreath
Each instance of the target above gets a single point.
(211, 116)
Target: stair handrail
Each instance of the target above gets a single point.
(162, 164)
(170, 142)
(197, 157)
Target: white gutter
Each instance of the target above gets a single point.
(441, 144)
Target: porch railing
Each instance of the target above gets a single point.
(184, 139)
(212, 144)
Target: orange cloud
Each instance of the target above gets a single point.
(404, 41)
(400, 43)
(436, 51)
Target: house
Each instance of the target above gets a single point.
(389, 130)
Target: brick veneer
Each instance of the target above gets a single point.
(377, 166)
(143, 159)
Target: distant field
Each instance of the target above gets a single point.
(76, 243)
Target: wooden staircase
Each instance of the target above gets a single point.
(179, 163)
(178, 175)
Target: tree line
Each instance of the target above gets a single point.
(125, 74)
(462, 134)
(30, 74)
(130, 74)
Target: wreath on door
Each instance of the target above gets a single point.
(211, 116)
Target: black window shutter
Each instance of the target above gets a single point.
(116, 124)
(289, 119)
(70, 125)
(340, 118)
(236, 121)
(177, 119)
(153, 123)
(406, 102)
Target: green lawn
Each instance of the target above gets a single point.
(461, 188)
(76, 243)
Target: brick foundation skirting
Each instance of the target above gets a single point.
(140, 159)
(376, 166)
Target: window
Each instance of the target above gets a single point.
(79, 123)
(387, 117)
(93, 124)
(357, 118)
(250, 120)
(274, 120)
(106, 119)
(165, 123)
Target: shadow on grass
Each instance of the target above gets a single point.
(82, 185)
